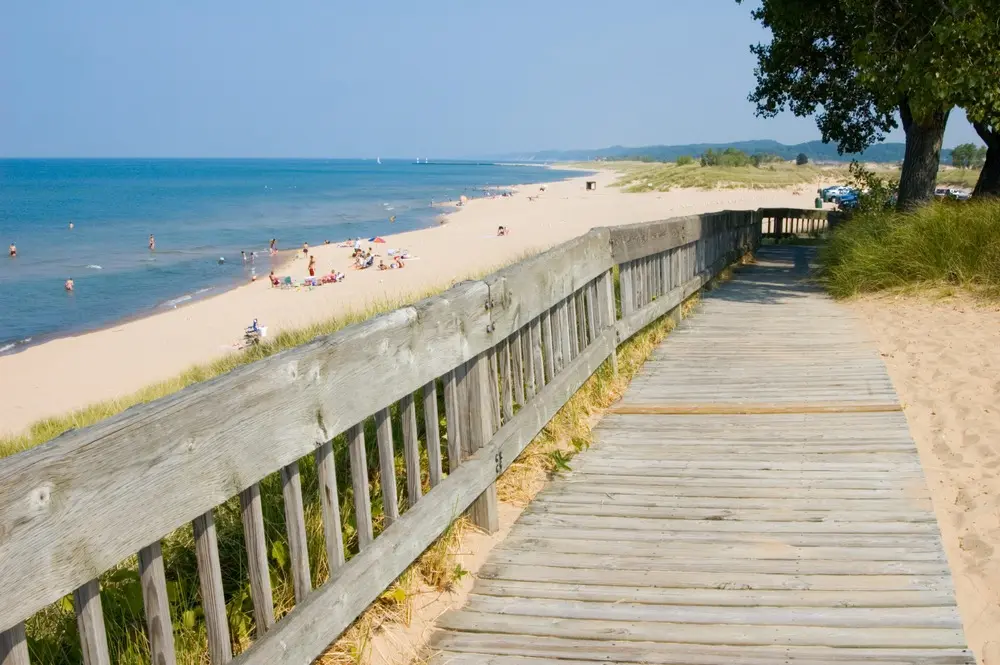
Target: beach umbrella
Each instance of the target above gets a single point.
(377, 239)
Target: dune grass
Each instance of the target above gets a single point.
(644, 177)
(949, 244)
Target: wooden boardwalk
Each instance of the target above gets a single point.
(755, 498)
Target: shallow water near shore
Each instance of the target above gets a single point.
(198, 210)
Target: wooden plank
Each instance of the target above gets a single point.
(750, 409)
(634, 613)
(720, 526)
(252, 515)
(572, 328)
(387, 465)
(606, 307)
(548, 339)
(527, 649)
(307, 632)
(359, 485)
(432, 429)
(90, 624)
(710, 564)
(159, 628)
(565, 331)
(213, 601)
(630, 242)
(14, 646)
(485, 509)
(753, 598)
(452, 420)
(517, 367)
(668, 498)
(506, 380)
(558, 352)
(295, 526)
(625, 279)
(590, 302)
(411, 448)
(326, 476)
(537, 357)
(528, 355)
(494, 387)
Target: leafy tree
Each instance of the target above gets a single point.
(802, 159)
(857, 63)
(964, 156)
(684, 160)
(874, 192)
(727, 157)
(758, 159)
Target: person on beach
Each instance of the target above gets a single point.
(273, 248)
(399, 261)
(274, 279)
(382, 265)
(69, 284)
(243, 255)
(312, 266)
(152, 243)
(305, 249)
(13, 251)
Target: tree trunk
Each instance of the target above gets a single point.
(922, 158)
(989, 177)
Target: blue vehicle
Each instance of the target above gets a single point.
(847, 201)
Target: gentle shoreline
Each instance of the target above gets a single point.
(123, 358)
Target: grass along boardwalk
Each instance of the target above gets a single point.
(755, 498)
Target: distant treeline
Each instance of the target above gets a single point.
(816, 151)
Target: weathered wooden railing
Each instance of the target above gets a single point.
(507, 351)
(781, 223)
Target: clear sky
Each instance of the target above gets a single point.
(328, 78)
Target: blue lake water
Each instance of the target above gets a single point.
(198, 210)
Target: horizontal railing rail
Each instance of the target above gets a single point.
(497, 357)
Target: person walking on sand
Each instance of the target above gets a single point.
(152, 243)
(13, 251)
(312, 266)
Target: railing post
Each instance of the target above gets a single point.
(14, 646)
(484, 511)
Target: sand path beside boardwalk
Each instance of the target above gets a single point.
(67, 374)
(944, 360)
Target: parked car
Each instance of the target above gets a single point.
(831, 193)
(847, 201)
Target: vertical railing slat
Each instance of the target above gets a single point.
(565, 327)
(14, 646)
(494, 387)
(484, 510)
(411, 448)
(453, 420)
(213, 602)
(518, 360)
(359, 485)
(581, 317)
(590, 301)
(326, 473)
(548, 353)
(432, 430)
(159, 628)
(387, 465)
(295, 526)
(571, 329)
(252, 515)
(506, 381)
(90, 623)
(531, 364)
(606, 312)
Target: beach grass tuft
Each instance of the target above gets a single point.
(944, 244)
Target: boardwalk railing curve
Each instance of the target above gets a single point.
(507, 351)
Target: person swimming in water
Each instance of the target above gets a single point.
(13, 251)
(152, 243)
(69, 284)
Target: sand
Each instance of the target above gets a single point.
(66, 374)
(943, 359)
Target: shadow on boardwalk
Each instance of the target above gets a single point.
(719, 518)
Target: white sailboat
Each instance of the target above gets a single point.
(378, 160)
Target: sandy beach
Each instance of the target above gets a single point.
(66, 374)
(943, 362)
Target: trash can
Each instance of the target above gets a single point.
(819, 202)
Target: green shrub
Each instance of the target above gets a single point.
(944, 243)
(684, 160)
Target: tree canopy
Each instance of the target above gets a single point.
(855, 64)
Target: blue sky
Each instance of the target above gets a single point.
(325, 78)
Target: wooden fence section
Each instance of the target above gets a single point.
(496, 357)
(780, 223)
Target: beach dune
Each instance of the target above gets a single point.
(66, 374)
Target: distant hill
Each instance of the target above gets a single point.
(815, 150)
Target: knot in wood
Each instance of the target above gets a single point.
(40, 497)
